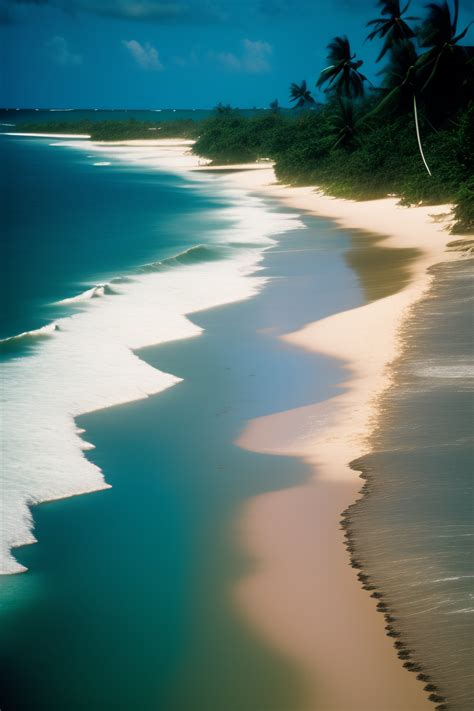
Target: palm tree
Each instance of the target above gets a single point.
(438, 33)
(344, 122)
(402, 83)
(301, 94)
(391, 27)
(400, 79)
(444, 65)
(398, 72)
(223, 108)
(343, 73)
(275, 106)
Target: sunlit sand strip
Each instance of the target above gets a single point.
(302, 593)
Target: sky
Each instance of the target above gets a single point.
(141, 54)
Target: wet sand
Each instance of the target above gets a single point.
(303, 595)
(300, 592)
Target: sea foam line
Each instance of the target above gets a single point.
(88, 363)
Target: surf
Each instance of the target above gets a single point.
(89, 360)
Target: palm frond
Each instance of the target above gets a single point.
(342, 75)
(339, 50)
(392, 28)
(437, 27)
(301, 94)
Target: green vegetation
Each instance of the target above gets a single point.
(412, 137)
(314, 148)
(301, 96)
(118, 130)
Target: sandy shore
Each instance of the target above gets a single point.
(302, 594)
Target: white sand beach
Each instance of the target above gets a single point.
(302, 593)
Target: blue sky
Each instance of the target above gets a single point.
(174, 53)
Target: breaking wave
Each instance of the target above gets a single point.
(88, 361)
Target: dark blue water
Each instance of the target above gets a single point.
(128, 599)
(68, 224)
(127, 602)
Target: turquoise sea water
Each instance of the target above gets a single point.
(127, 602)
(69, 224)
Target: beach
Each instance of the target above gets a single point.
(303, 593)
(297, 591)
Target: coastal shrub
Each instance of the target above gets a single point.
(72, 127)
(464, 209)
(380, 157)
(118, 130)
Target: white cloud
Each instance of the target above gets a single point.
(256, 56)
(253, 59)
(61, 53)
(228, 60)
(187, 60)
(145, 55)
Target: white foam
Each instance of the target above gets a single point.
(162, 154)
(47, 330)
(94, 292)
(48, 135)
(88, 364)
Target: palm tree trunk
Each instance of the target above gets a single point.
(418, 135)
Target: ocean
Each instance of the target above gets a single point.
(138, 341)
(126, 599)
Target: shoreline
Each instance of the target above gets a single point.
(332, 633)
(70, 350)
(280, 527)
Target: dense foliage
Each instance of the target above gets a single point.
(370, 163)
(412, 137)
(366, 164)
(117, 130)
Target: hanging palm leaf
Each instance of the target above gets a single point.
(402, 81)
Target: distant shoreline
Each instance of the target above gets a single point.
(328, 436)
